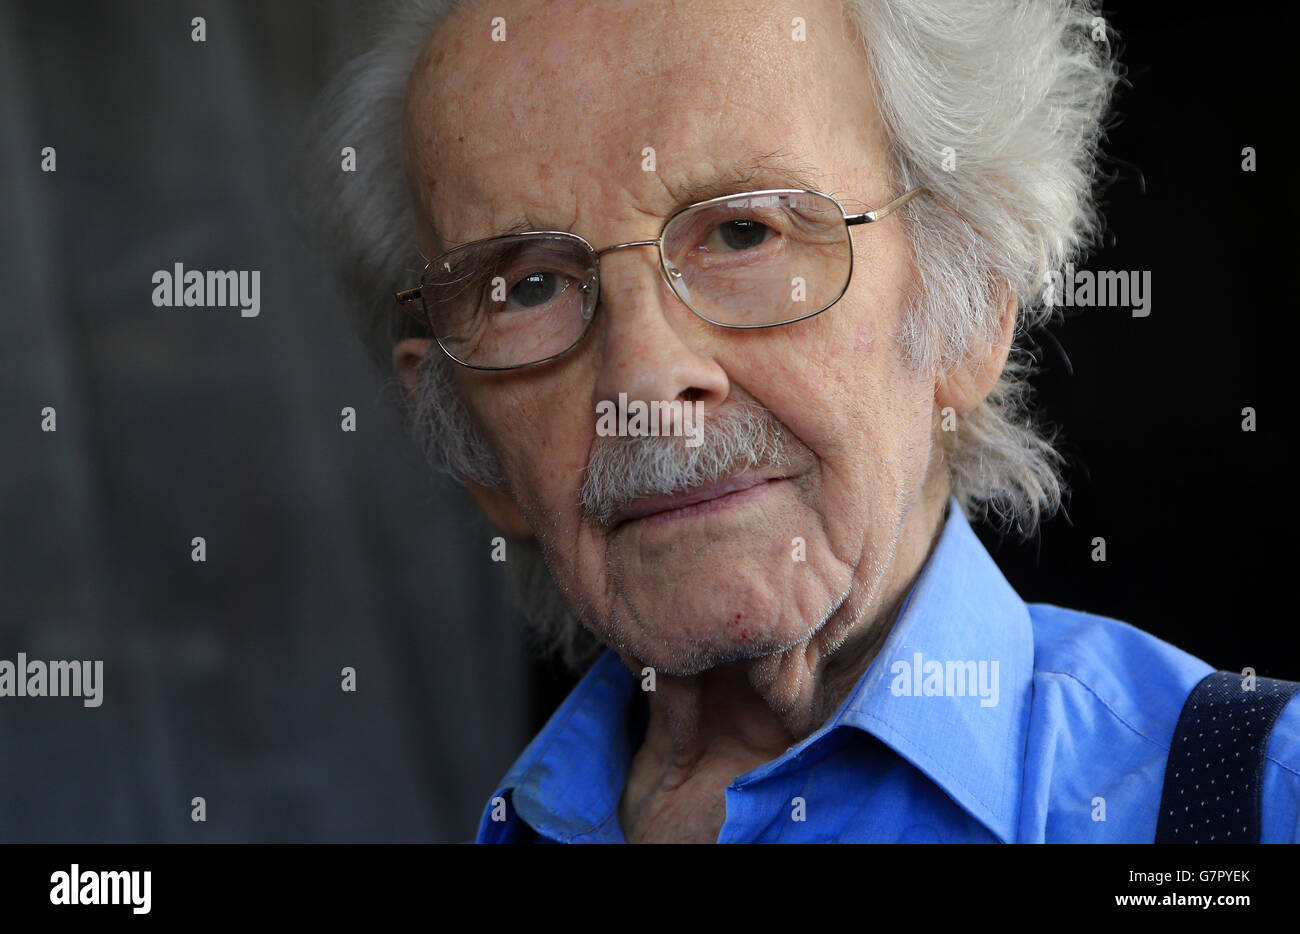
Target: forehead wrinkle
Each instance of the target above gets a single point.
(777, 169)
(774, 169)
(479, 215)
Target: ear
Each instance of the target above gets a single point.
(406, 362)
(498, 505)
(967, 385)
(500, 509)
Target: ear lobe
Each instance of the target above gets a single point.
(500, 509)
(497, 505)
(406, 362)
(966, 385)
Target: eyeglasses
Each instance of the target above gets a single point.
(758, 259)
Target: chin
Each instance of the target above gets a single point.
(685, 649)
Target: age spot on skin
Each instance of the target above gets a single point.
(743, 633)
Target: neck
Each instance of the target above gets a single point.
(706, 729)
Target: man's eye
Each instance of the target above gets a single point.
(537, 289)
(737, 235)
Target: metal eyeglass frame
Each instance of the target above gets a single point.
(408, 297)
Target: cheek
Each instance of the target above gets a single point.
(841, 341)
(864, 339)
(850, 373)
(541, 439)
(550, 465)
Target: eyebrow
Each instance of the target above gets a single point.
(774, 170)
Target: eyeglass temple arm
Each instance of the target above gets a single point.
(869, 216)
(407, 299)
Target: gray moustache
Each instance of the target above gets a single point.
(623, 470)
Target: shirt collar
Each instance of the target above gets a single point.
(568, 782)
(970, 739)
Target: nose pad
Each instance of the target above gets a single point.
(588, 288)
(677, 282)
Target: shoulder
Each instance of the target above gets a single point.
(1106, 702)
(1131, 676)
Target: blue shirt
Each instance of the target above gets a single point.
(1037, 724)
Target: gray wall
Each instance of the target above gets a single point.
(325, 548)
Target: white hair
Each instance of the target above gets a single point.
(995, 106)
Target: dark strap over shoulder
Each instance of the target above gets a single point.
(1216, 760)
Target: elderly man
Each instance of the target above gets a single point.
(811, 231)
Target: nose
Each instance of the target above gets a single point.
(650, 342)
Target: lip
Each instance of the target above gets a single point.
(658, 509)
